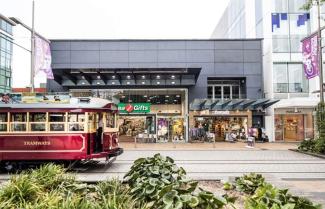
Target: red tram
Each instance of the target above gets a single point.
(81, 130)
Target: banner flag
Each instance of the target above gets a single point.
(43, 57)
(310, 56)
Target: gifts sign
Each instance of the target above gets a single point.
(310, 56)
(43, 57)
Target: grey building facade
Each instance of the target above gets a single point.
(214, 58)
(188, 83)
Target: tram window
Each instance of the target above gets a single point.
(76, 117)
(18, 117)
(18, 121)
(3, 127)
(56, 117)
(76, 127)
(76, 121)
(37, 117)
(57, 121)
(37, 121)
(110, 120)
(3, 117)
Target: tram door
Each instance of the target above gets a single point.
(98, 146)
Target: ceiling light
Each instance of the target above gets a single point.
(128, 82)
(98, 77)
(128, 77)
(167, 96)
(113, 82)
(113, 77)
(145, 96)
(158, 82)
(178, 95)
(82, 77)
(173, 76)
(143, 77)
(143, 82)
(173, 82)
(98, 83)
(158, 76)
(83, 83)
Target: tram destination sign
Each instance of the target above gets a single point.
(134, 107)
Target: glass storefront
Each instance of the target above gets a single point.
(217, 125)
(293, 127)
(148, 115)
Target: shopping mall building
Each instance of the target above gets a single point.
(166, 89)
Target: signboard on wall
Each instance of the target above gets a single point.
(134, 107)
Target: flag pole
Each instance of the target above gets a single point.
(32, 61)
(321, 89)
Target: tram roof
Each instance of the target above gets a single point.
(75, 103)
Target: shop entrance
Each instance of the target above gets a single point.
(131, 126)
(293, 127)
(219, 127)
(170, 129)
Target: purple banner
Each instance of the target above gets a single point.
(43, 57)
(310, 57)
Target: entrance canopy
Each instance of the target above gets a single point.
(231, 104)
(128, 77)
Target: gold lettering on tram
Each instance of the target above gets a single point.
(36, 143)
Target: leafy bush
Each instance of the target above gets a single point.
(320, 145)
(158, 183)
(268, 196)
(249, 183)
(51, 188)
(307, 145)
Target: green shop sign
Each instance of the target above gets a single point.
(134, 107)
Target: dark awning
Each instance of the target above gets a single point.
(128, 77)
(232, 104)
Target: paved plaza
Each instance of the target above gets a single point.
(303, 174)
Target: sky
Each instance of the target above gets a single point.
(108, 19)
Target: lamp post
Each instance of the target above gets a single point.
(321, 90)
(32, 51)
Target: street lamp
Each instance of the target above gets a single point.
(33, 33)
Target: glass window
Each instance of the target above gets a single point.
(3, 117)
(295, 5)
(18, 117)
(297, 79)
(210, 92)
(280, 5)
(280, 78)
(56, 117)
(3, 121)
(110, 120)
(218, 92)
(57, 121)
(37, 117)
(226, 92)
(18, 121)
(235, 92)
(76, 121)
(76, 127)
(76, 117)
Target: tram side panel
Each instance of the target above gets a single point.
(45, 147)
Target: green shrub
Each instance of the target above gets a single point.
(307, 145)
(320, 146)
(249, 182)
(267, 196)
